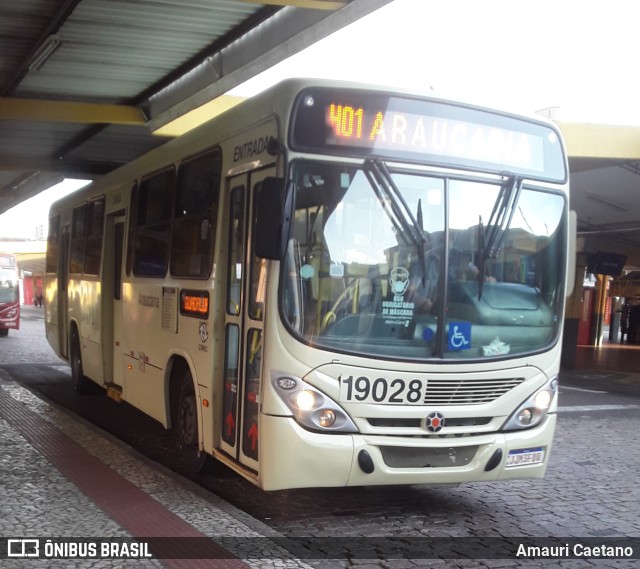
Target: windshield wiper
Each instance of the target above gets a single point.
(501, 216)
(490, 238)
(480, 259)
(396, 207)
(381, 179)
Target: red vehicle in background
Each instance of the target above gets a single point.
(9, 294)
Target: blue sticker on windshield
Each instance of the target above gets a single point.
(459, 336)
(428, 335)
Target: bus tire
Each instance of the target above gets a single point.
(81, 384)
(192, 460)
(4, 332)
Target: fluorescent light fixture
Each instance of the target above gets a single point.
(44, 52)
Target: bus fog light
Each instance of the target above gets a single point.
(326, 418)
(305, 400)
(525, 416)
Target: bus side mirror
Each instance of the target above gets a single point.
(273, 218)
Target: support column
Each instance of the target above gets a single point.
(597, 322)
(573, 310)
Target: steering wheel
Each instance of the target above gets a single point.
(351, 295)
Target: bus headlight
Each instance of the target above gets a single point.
(305, 400)
(312, 408)
(532, 411)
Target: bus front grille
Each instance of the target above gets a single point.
(397, 423)
(467, 391)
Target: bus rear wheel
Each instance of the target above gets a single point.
(81, 384)
(192, 460)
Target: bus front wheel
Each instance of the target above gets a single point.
(192, 460)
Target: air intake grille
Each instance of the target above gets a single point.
(402, 457)
(467, 391)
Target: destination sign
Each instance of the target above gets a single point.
(428, 131)
(429, 135)
(194, 303)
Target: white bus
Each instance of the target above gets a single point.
(328, 285)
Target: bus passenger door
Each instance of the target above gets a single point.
(246, 287)
(112, 298)
(63, 286)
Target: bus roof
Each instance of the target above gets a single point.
(277, 100)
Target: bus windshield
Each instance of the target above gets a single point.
(9, 291)
(410, 265)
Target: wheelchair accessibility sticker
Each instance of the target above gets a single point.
(459, 336)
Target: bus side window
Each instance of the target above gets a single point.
(86, 238)
(153, 224)
(93, 241)
(133, 216)
(78, 233)
(198, 192)
(53, 244)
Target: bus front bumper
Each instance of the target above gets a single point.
(9, 319)
(292, 457)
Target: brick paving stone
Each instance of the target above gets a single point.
(40, 501)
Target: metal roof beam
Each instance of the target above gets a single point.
(287, 32)
(70, 168)
(55, 23)
(70, 112)
(313, 4)
(26, 187)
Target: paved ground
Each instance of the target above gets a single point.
(61, 478)
(591, 494)
(27, 345)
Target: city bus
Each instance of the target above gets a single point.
(9, 294)
(328, 285)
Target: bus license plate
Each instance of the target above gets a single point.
(382, 390)
(523, 457)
